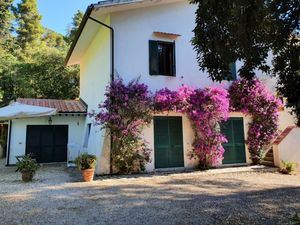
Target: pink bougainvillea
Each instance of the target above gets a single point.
(128, 107)
(252, 97)
(206, 108)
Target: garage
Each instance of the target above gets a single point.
(168, 142)
(235, 151)
(47, 143)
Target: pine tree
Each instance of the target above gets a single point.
(74, 26)
(30, 30)
(6, 17)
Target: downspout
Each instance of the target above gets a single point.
(112, 78)
(112, 33)
(8, 143)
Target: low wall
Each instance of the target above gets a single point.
(288, 149)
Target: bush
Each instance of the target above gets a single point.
(86, 161)
(288, 167)
(27, 164)
(126, 110)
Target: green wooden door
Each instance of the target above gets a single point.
(168, 143)
(235, 148)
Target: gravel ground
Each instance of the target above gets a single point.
(224, 196)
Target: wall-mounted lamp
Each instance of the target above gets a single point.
(50, 120)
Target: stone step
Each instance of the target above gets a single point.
(269, 159)
(267, 163)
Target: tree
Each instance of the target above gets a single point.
(287, 69)
(29, 30)
(51, 78)
(53, 39)
(76, 20)
(6, 17)
(231, 30)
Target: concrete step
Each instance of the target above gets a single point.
(267, 163)
(269, 158)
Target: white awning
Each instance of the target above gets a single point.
(17, 111)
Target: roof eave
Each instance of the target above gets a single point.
(79, 31)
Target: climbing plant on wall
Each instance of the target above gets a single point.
(125, 111)
(129, 107)
(206, 109)
(253, 98)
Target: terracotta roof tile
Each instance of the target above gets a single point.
(62, 106)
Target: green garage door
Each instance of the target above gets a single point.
(233, 129)
(168, 143)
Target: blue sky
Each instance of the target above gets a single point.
(57, 14)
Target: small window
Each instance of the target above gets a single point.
(162, 58)
(87, 135)
(232, 73)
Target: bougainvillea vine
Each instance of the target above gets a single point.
(253, 98)
(206, 109)
(128, 108)
(125, 111)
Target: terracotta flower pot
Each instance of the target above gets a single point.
(27, 176)
(88, 175)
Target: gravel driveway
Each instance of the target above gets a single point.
(226, 196)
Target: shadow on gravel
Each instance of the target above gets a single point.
(180, 201)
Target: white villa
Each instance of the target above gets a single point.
(149, 39)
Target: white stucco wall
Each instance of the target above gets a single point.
(188, 138)
(94, 77)
(133, 30)
(19, 126)
(288, 149)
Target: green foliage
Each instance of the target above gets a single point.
(55, 40)
(231, 30)
(287, 70)
(32, 63)
(74, 26)
(27, 164)
(29, 30)
(125, 111)
(5, 18)
(288, 167)
(86, 161)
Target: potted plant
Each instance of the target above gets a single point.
(86, 163)
(27, 166)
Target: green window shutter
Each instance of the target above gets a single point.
(232, 68)
(168, 142)
(153, 58)
(233, 129)
(176, 142)
(238, 128)
(174, 60)
(161, 142)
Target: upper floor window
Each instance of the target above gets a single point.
(162, 58)
(232, 72)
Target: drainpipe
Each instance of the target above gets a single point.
(112, 78)
(112, 33)
(8, 143)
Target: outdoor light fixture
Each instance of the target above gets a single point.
(50, 120)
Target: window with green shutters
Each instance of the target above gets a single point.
(162, 58)
(233, 129)
(168, 142)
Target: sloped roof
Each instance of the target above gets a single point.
(62, 106)
(116, 2)
(88, 28)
